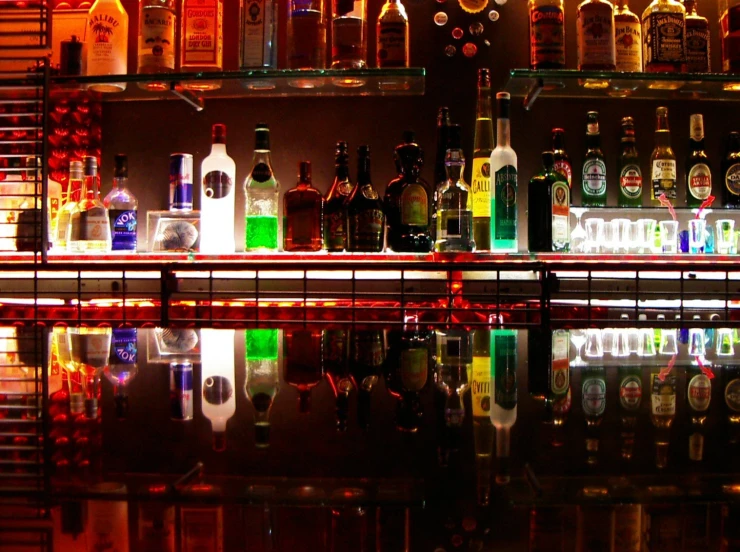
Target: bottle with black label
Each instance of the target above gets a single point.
(365, 217)
(664, 37)
(698, 173)
(630, 173)
(698, 57)
(731, 172)
(335, 223)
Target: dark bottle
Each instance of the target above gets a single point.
(335, 214)
(698, 173)
(334, 347)
(303, 367)
(698, 58)
(593, 189)
(630, 399)
(731, 384)
(368, 356)
(593, 400)
(440, 170)
(731, 172)
(365, 218)
(698, 398)
(407, 201)
(303, 209)
(562, 160)
(630, 173)
(548, 216)
(481, 178)
(559, 398)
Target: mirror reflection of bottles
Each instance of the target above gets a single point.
(217, 376)
(349, 34)
(303, 369)
(483, 430)
(122, 367)
(263, 378)
(201, 41)
(504, 393)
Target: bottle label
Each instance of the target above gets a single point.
(369, 192)
(481, 386)
(594, 396)
(261, 172)
(504, 366)
(392, 40)
(505, 203)
(663, 38)
(123, 346)
(732, 395)
(368, 229)
(300, 226)
(700, 392)
(629, 46)
(157, 39)
(547, 36)
(594, 177)
(217, 185)
(697, 49)
(202, 29)
(95, 227)
(452, 228)
(630, 181)
(596, 36)
(481, 187)
(700, 181)
(663, 395)
(255, 25)
(630, 393)
(560, 378)
(732, 179)
(414, 368)
(563, 167)
(663, 176)
(334, 232)
(414, 206)
(560, 215)
(109, 38)
(123, 229)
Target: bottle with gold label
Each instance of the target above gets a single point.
(662, 161)
(482, 148)
(483, 430)
(157, 24)
(698, 399)
(627, 38)
(392, 35)
(201, 40)
(473, 6)
(546, 34)
(698, 173)
(595, 27)
(664, 37)
(662, 411)
(698, 55)
(107, 52)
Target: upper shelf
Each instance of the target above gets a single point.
(196, 87)
(568, 83)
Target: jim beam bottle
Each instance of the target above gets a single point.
(595, 27)
(664, 37)
(627, 38)
(630, 173)
(698, 173)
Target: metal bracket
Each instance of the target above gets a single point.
(186, 95)
(533, 93)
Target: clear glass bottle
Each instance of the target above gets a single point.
(392, 35)
(662, 161)
(454, 201)
(503, 182)
(217, 193)
(546, 34)
(74, 191)
(303, 210)
(627, 38)
(698, 54)
(201, 41)
(664, 37)
(349, 34)
(595, 27)
(157, 26)
(481, 177)
(262, 194)
(122, 208)
(89, 225)
(306, 34)
(107, 53)
(258, 34)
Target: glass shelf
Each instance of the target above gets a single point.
(192, 87)
(569, 83)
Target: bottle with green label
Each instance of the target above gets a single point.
(481, 178)
(630, 400)
(503, 182)
(483, 430)
(593, 189)
(593, 402)
(630, 173)
(504, 393)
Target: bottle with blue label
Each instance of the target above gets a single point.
(122, 208)
(122, 366)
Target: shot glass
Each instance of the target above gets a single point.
(610, 233)
(620, 235)
(646, 234)
(669, 236)
(668, 342)
(594, 343)
(697, 228)
(646, 346)
(724, 239)
(594, 235)
(725, 342)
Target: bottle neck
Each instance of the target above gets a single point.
(119, 182)
(218, 149)
(363, 173)
(696, 145)
(558, 143)
(91, 187)
(663, 137)
(342, 171)
(440, 173)
(628, 145)
(690, 6)
(454, 164)
(503, 133)
(262, 156)
(593, 141)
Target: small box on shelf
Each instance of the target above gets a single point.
(169, 231)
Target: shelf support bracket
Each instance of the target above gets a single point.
(187, 96)
(534, 91)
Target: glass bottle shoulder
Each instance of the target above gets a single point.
(666, 6)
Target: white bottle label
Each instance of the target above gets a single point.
(663, 395)
(596, 37)
(700, 392)
(664, 169)
(700, 181)
(157, 39)
(594, 177)
(629, 46)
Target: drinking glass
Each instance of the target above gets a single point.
(646, 346)
(594, 235)
(646, 234)
(620, 235)
(725, 236)
(594, 343)
(578, 235)
(620, 343)
(669, 236)
(668, 342)
(697, 227)
(635, 243)
(578, 338)
(608, 337)
(611, 231)
(696, 342)
(725, 346)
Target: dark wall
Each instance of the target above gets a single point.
(307, 128)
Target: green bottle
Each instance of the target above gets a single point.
(630, 174)
(594, 166)
(261, 192)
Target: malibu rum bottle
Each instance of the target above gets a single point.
(664, 37)
(335, 215)
(593, 188)
(108, 52)
(698, 173)
(627, 38)
(503, 182)
(662, 161)
(595, 27)
(630, 174)
(482, 148)
(698, 56)
(546, 34)
(303, 209)
(365, 217)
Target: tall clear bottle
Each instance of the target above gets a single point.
(262, 192)
(454, 201)
(107, 52)
(122, 208)
(483, 430)
(482, 149)
(258, 34)
(392, 35)
(503, 182)
(663, 161)
(217, 192)
(349, 34)
(89, 224)
(201, 40)
(157, 26)
(263, 378)
(74, 191)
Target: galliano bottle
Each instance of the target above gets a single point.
(482, 149)
(107, 53)
(217, 192)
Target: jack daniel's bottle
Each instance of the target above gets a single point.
(664, 37)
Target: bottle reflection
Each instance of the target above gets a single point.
(368, 356)
(593, 399)
(698, 398)
(335, 345)
(303, 367)
(630, 399)
(662, 409)
(559, 392)
(483, 430)
(217, 377)
(263, 378)
(202, 525)
(504, 391)
(122, 367)
(89, 354)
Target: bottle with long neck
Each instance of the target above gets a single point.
(262, 383)
(698, 55)
(503, 182)
(663, 161)
(122, 208)
(261, 191)
(504, 395)
(217, 193)
(595, 28)
(628, 38)
(698, 173)
(108, 48)
(440, 171)
(74, 187)
(630, 174)
(365, 217)
(89, 225)
(562, 159)
(593, 189)
(548, 213)
(335, 228)
(454, 202)
(482, 148)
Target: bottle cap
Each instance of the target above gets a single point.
(661, 112)
(76, 170)
(219, 134)
(592, 127)
(443, 116)
(409, 137)
(304, 171)
(262, 137)
(503, 101)
(455, 137)
(91, 165)
(696, 126)
(121, 166)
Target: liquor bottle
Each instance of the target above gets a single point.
(262, 191)
(548, 216)
(440, 170)
(593, 400)
(562, 159)
(482, 149)
(367, 355)
(453, 363)
(662, 412)
(218, 174)
(627, 528)
(454, 201)
(303, 210)
(503, 182)
(630, 399)
(365, 217)
(504, 394)
(335, 357)
(263, 378)
(483, 430)
(630, 173)
(258, 34)
(595, 27)
(698, 55)
(157, 25)
(217, 379)
(627, 38)
(122, 367)
(559, 395)
(593, 189)
(731, 393)
(731, 172)
(392, 35)
(303, 367)
(89, 224)
(349, 34)
(201, 41)
(122, 208)
(74, 191)
(546, 34)
(698, 398)
(664, 37)
(662, 161)
(306, 34)
(407, 201)
(335, 215)
(29, 231)
(107, 53)
(698, 173)
(729, 23)
(407, 373)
